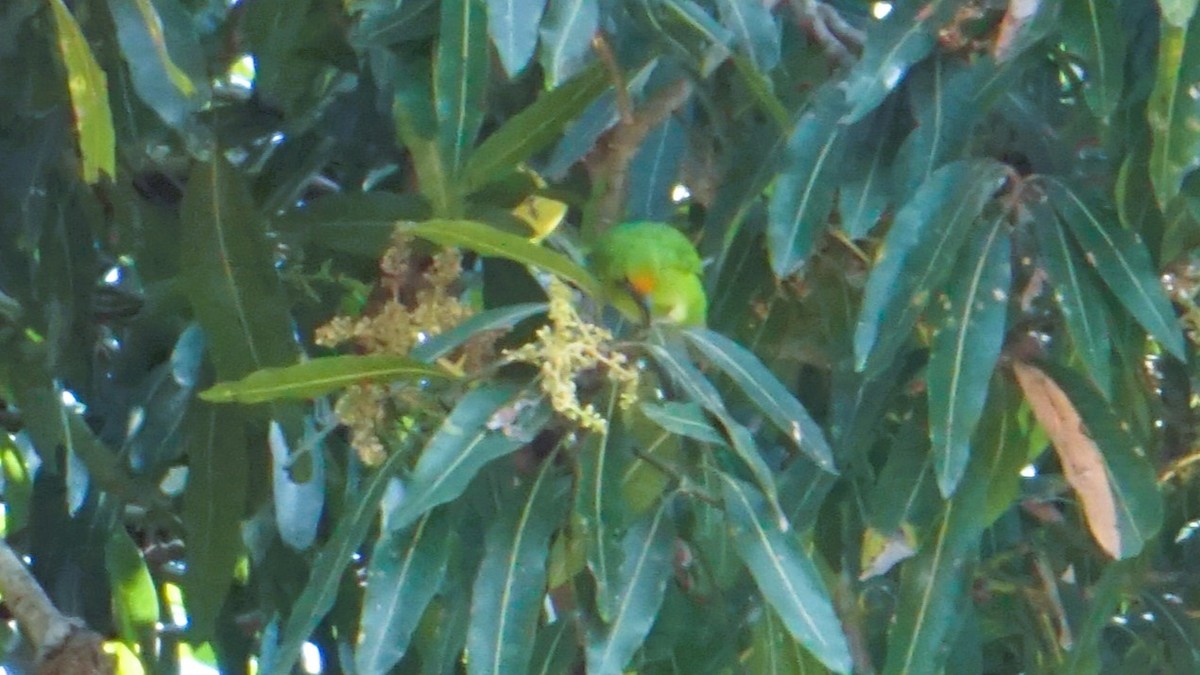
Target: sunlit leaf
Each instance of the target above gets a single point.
(1173, 111)
(88, 88)
(135, 598)
(318, 376)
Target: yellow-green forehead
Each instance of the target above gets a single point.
(651, 245)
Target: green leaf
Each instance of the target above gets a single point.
(1122, 260)
(654, 172)
(406, 569)
(567, 31)
(892, 46)
(1076, 294)
(88, 88)
(1092, 29)
(361, 223)
(151, 43)
(507, 596)
(555, 650)
(917, 255)
(460, 79)
(486, 424)
(1173, 112)
(534, 128)
(755, 30)
(787, 579)
(319, 376)
(298, 494)
(489, 241)
(134, 596)
(18, 487)
(966, 347)
(600, 510)
(500, 318)
(683, 419)
(1177, 12)
(647, 552)
(773, 651)
(325, 580)
(513, 25)
(804, 190)
(229, 275)
(213, 505)
(765, 392)
(417, 127)
(866, 190)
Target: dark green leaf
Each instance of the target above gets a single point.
(534, 128)
(917, 254)
(406, 568)
(513, 25)
(567, 32)
(1123, 262)
(212, 507)
(654, 172)
(500, 318)
(1092, 29)
(489, 241)
(460, 80)
(867, 188)
(645, 568)
(507, 596)
(488, 423)
(600, 509)
(358, 223)
(804, 190)
(787, 579)
(966, 346)
(88, 88)
(319, 376)
(755, 29)
(417, 126)
(765, 392)
(555, 650)
(1173, 112)
(683, 419)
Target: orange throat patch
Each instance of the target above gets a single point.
(643, 283)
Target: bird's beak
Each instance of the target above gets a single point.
(641, 301)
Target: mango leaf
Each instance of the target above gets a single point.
(654, 172)
(892, 46)
(359, 223)
(804, 190)
(1023, 26)
(935, 582)
(1122, 260)
(645, 568)
(765, 392)
(1173, 112)
(319, 376)
(600, 510)
(460, 79)
(418, 126)
(406, 569)
(213, 505)
(555, 650)
(755, 30)
(134, 595)
(1177, 12)
(1101, 460)
(966, 346)
(683, 419)
(513, 25)
(866, 189)
(534, 128)
(1075, 292)
(153, 36)
(298, 503)
(773, 651)
(917, 255)
(787, 579)
(88, 88)
(486, 424)
(1092, 29)
(507, 596)
(324, 581)
(489, 241)
(229, 275)
(500, 318)
(567, 31)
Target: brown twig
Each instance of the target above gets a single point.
(835, 35)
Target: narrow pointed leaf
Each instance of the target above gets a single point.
(567, 31)
(866, 189)
(765, 392)
(405, 572)
(646, 566)
(787, 579)
(893, 45)
(683, 419)
(1122, 260)
(134, 596)
(489, 241)
(1173, 112)
(357, 223)
(534, 128)
(500, 318)
(966, 347)
(1077, 295)
(917, 255)
(804, 190)
(320, 376)
(755, 30)
(513, 25)
(507, 596)
(488, 423)
(654, 172)
(298, 503)
(600, 509)
(88, 89)
(460, 78)
(1092, 29)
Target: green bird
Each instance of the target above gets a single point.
(651, 269)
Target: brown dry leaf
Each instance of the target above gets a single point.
(1079, 455)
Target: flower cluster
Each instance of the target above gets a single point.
(569, 346)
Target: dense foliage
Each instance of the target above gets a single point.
(302, 363)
